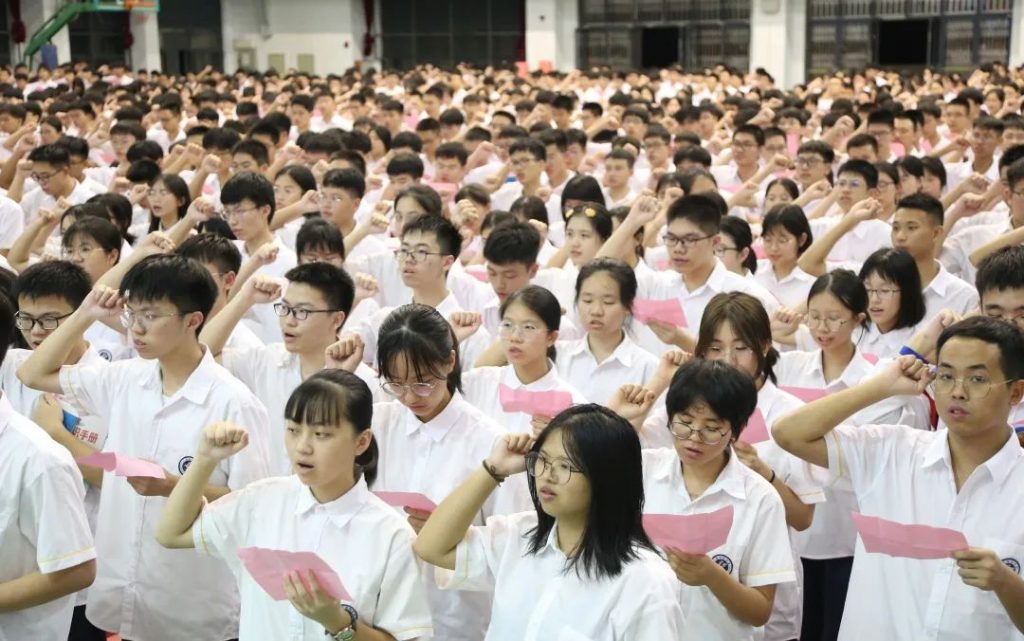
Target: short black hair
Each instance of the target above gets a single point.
(58, 278)
(333, 283)
(319, 233)
(699, 210)
(253, 148)
(930, 205)
(213, 249)
(448, 238)
(531, 146)
(424, 339)
(512, 243)
(1008, 338)
(221, 138)
(249, 185)
(454, 150)
(7, 333)
(56, 155)
(1001, 270)
(729, 393)
(184, 283)
(348, 179)
(407, 139)
(406, 165)
(862, 168)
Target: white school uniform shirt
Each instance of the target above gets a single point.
(37, 199)
(161, 137)
(471, 293)
(946, 291)
(957, 249)
(358, 535)
(262, 319)
(628, 363)
(433, 458)
(626, 201)
(43, 526)
(791, 291)
(480, 386)
(856, 245)
(906, 475)
(832, 534)
(537, 599)
(12, 222)
(507, 194)
(272, 373)
(142, 589)
(756, 553)
(109, 343)
(560, 281)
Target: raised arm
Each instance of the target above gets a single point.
(217, 330)
(620, 243)
(813, 260)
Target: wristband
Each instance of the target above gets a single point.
(499, 479)
(772, 479)
(906, 351)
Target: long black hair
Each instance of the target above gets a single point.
(606, 448)
(333, 397)
(424, 338)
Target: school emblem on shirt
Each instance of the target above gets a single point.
(106, 355)
(183, 464)
(723, 561)
(1013, 564)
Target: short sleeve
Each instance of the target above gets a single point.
(253, 462)
(221, 527)
(90, 388)
(769, 554)
(859, 452)
(476, 556)
(800, 476)
(241, 363)
(402, 610)
(52, 516)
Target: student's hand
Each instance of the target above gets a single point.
(541, 228)
(694, 570)
(977, 184)
(25, 144)
(928, 336)
(544, 193)
(313, 602)
(818, 190)
(320, 169)
(781, 162)
(666, 333)
(48, 217)
(644, 210)
(211, 164)
(905, 375)
(201, 210)
(864, 210)
(261, 290)
(671, 195)
(366, 286)
(290, 153)
(102, 302)
(537, 424)
(137, 193)
(193, 153)
(747, 453)
(982, 569)
(374, 182)
(149, 486)
(632, 402)
(671, 361)
(507, 457)
(379, 221)
(344, 354)
(465, 324)
(49, 415)
(61, 206)
(266, 254)
(785, 321)
(417, 518)
(310, 202)
(466, 213)
(222, 440)
(24, 167)
(153, 243)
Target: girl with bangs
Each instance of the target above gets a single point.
(431, 438)
(324, 507)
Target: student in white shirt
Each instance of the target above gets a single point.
(587, 228)
(323, 507)
(606, 357)
(249, 203)
(530, 319)
(917, 228)
(618, 172)
(952, 478)
(736, 250)
(46, 535)
(311, 310)
(559, 572)
(736, 329)
(728, 593)
(48, 167)
(510, 254)
(168, 200)
(430, 439)
(785, 235)
(155, 407)
(896, 304)
(295, 195)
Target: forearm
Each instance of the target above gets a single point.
(951, 197)
(286, 215)
(37, 588)
(245, 272)
(1009, 239)
(9, 169)
(358, 235)
(822, 207)
(21, 248)
(493, 356)
(559, 257)
(813, 261)
(448, 524)
(747, 604)
(798, 514)
(217, 330)
(1012, 598)
(14, 192)
(174, 529)
(195, 187)
(92, 475)
(619, 242)
(41, 369)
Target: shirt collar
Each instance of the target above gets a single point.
(999, 465)
(716, 279)
(940, 283)
(198, 385)
(730, 479)
(437, 427)
(340, 510)
(546, 382)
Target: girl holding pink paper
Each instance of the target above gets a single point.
(324, 508)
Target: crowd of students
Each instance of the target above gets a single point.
(299, 295)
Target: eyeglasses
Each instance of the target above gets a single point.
(776, 241)
(851, 184)
(687, 242)
(707, 435)
(25, 322)
(802, 161)
(153, 193)
(398, 390)
(744, 145)
(330, 199)
(231, 213)
(519, 162)
(883, 293)
(414, 255)
(298, 313)
(720, 250)
(831, 324)
(144, 319)
(42, 178)
(558, 470)
(506, 329)
(319, 258)
(975, 385)
(885, 184)
(79, 252)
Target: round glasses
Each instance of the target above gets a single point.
(976, 386)
(831, 324)
(707, 435)
(558, 470)
(507, 329)
(397, 390)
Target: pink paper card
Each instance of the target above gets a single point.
(759, 250)
(756, 430)
(690, 533)
(522, 68)
(907, 540)
(123, 465)
(478, 273)
(549, 403)
(871, 358)
(446, 191)
(792, 144)
(805, 394)
(269, 567)
(545, 66)
(669, 311)
(407, 499)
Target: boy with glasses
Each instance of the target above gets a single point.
(526, 160)
(49, 168)
(950, 478)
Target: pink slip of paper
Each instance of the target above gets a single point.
(522, 68)
(668, 310)
(805, 394)
(756, 430)
(407, 499)
(123, 465)
(478, 273)
(908, 540)
(545, 66)
(690, 533)
(549, 403)
(446, 191)
(269, 567)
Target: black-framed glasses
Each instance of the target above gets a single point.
(707, 435)
(687, 242)
(559, 470)
(298, 313)
(25, 322)
(721, 249)
(399, 390)
(415, 255)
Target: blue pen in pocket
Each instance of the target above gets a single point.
(70, 421)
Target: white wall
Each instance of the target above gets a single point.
(1017, 34)
(34, 13)
(551, 32)
(330, 31)
(146, 46)
(778, 39)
